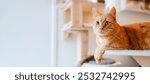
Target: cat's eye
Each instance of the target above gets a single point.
(97, 22)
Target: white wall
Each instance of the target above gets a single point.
(119, 4)
(25, 33)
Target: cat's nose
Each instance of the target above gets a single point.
(100, 24)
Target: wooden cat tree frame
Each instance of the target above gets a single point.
(77, 18)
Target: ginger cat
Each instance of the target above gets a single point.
(111, 36)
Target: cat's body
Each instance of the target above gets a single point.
(134, 37)
(111, 36)
(138, 35)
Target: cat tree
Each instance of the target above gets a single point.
(77, 18)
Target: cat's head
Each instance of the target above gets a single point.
(104, 24)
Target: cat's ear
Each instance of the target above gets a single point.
(95, 13)
(113, 11)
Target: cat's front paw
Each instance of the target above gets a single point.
(98, 54)
(98, 57)
(98, 60)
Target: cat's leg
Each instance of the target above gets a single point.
(98, 54)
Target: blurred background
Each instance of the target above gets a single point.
(58, 33)
(25, 33)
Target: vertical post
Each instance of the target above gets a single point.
(82, 45)
(80, 18)
(76, 13)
